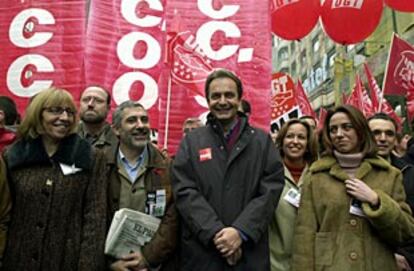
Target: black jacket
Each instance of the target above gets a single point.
(407, 170)
(215, 188)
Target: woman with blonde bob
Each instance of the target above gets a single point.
(298, 148)
(58, 215)
(352, 212)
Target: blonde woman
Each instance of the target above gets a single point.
(58, 217)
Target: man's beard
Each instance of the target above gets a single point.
(95, 119)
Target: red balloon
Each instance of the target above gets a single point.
(350, 21)
(294, 19)
(401, 5)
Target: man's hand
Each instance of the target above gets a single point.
(235, 257)
(227, 241)
(361, 191)
(402, 263)
(133, 261)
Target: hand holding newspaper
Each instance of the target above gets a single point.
(129, 231)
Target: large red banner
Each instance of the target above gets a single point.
(206, 35)
(43, 45)
(124, 50)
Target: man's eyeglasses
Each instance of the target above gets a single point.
(58, 110)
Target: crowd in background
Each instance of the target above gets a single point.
(232, 198)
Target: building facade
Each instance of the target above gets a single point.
(327, 69)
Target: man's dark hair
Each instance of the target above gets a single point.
(383, 116)
(246, 107)
(222, 73)
(8, 106)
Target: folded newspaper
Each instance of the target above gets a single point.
(129, 231)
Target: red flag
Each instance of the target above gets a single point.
(356, 99)
(360, 99)
(322, 117)
(302, 101)
(399, 76)
(188, 65)
(367, 107)
(376, 94)
(375, 91)
(410, 104)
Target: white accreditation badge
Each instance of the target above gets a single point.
(160, 203)
(356, 208)
(293, 197)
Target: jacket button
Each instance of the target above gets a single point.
(221, 147)
(353, 256)
(134, 190)
(353, 222)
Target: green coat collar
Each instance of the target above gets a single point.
(329, 163)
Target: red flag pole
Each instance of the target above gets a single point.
(167, 113)
(386, 72)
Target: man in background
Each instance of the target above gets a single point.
(384, 129)
(95, 104)
(8, 118)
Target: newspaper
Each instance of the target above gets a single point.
(129, 231)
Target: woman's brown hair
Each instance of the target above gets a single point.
(311, 153)
(359, 123)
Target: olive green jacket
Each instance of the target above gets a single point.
(281, 228)
(5, 207)
(328, 237)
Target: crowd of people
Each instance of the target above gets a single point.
(232, 198)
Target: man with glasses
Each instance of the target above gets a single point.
(95, 103)
(384, 130)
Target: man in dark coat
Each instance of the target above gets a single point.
(227, 178)
(384, 129)
(139, 179)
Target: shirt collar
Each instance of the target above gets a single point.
(140, 160)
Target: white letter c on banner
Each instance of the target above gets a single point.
(18, 24)
(128, 10)
(14, 75)
(206, 32)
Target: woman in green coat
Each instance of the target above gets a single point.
(353, 212)
(298, 148)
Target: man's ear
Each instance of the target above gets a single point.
(115, 130)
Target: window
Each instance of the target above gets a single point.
(283, 54)
(315, 44)
(331, 57)
(293, 68)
